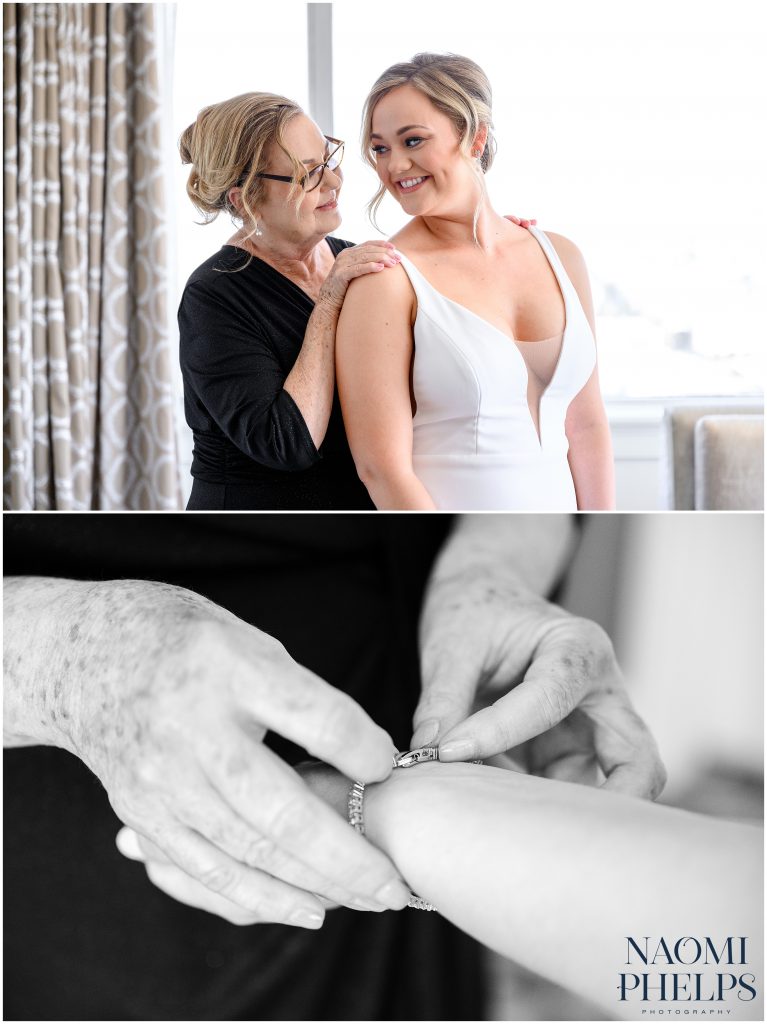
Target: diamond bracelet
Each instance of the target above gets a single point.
(404, 759)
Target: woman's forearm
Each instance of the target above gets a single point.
(556, 875)
(311, 381)
(396, 489)
(592, 467)
(42, 619)
(531, 549)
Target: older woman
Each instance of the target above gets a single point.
(468, 376)
(257, 320)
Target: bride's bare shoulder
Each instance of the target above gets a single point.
(575, 268)
(383, 290)
(568, 251)
(389, 288)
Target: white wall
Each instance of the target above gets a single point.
(681, 595)
(689, 629)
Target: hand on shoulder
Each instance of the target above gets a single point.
(389, 294)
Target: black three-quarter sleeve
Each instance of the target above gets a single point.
(235, 377)
(242, 325)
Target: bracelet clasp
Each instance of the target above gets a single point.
(407, 758)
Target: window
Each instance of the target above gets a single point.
(640, 137)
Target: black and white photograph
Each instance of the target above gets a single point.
(383, 510)
(546, 732)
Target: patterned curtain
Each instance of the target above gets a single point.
(88, 382)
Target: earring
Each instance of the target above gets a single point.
(257, 230)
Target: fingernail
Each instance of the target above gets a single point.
(426, 733)
(366, 905)
(128, 845)
(393, 895)
(456, 750)
(306, 917)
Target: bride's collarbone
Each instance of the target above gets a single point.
(525, 302)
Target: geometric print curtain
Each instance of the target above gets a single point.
(88, 382)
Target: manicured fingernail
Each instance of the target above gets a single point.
(426, 733)
(456, 750)
(393, 895)
(306, 917)
(366, 905)
(128, 845)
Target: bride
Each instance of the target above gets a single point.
(467, 376)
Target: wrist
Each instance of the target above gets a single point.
(396, 810)
(476, 571)
(383, 809)
(411, 817)
(40, 697)
(328, 307)
(528, 554)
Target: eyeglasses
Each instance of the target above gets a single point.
(313, 176)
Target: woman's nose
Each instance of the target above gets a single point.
(399, 161)
(332, 179)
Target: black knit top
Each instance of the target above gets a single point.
(242, 325)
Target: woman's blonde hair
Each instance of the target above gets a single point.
(228, 145)
(456, 86)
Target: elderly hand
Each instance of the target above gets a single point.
(365, 258)
(522, 222)
(547, 684)
(167, 698)
(320, 778)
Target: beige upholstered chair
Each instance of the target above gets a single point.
(714, 457)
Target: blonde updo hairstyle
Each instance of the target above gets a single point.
(228, 145)
(457, 87)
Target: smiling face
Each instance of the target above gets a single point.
(418, 157)
(318, 215)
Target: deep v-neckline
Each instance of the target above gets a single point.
(493, 327)
(510, 340)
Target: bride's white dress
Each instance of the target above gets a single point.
(478, 394)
